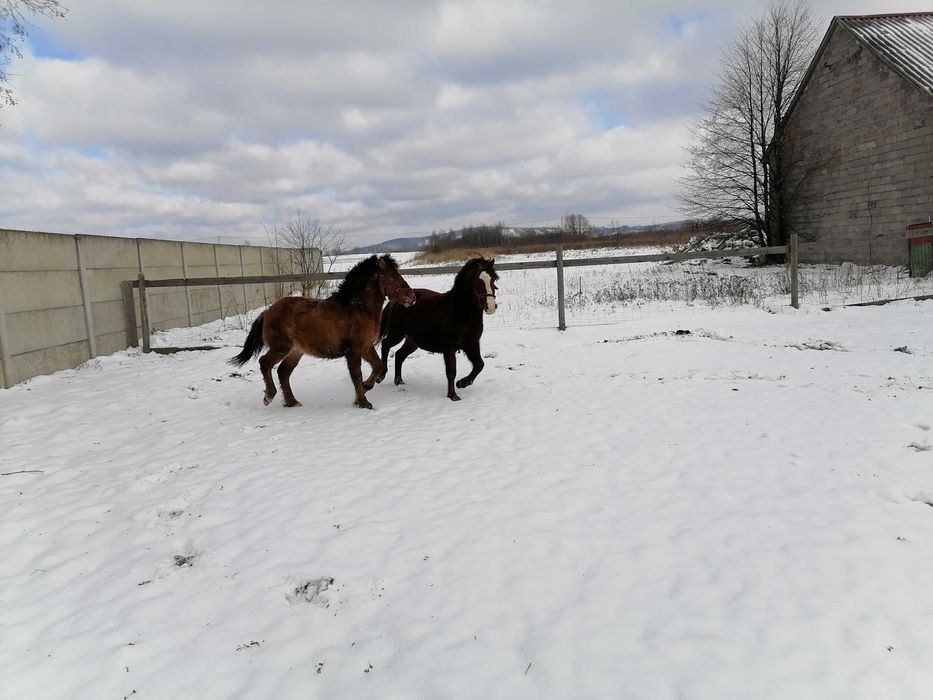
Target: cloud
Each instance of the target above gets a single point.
(212, 119)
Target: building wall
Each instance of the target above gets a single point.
(861, 140)
(61, 300)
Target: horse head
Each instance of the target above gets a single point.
(394, 286)
(484, 283)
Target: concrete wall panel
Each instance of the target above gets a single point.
(40, 289)
(43, 325)
(24, 250)
(108, 317)
(110, 252)
(34, 330)
(53, 359)
(109, 343)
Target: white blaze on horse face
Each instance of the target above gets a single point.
(490, 299)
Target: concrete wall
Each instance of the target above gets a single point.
(861, 138)
(61, 301)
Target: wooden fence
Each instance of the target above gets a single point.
(142, 284)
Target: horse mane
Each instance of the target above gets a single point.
(353, 286)
(464, 278)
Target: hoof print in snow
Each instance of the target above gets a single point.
(818, 345)
(681, 331)
(904, 349)
(184, 559)
(249, 645)
(919, 447)
(320, 668)
(922, 498)
(310, 592)
(369, 667)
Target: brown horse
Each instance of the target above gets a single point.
(443, 323)
(346, 324)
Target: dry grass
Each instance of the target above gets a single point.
(637, 240)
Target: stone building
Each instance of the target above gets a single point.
(858, 141)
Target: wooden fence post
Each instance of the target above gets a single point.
(794, 273)
(129, 314)
(144, 311)
(561, 321)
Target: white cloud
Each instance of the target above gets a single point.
(209, 119)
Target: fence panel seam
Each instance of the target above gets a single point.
(184, 271)
(85, 299)
(6, 376)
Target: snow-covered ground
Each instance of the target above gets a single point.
(629, 510)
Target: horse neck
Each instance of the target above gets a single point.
(373, 297)
(464, 297)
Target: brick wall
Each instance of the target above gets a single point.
(861, 140)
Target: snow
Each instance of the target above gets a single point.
(615, 510)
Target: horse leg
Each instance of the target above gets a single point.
(450, 365)
(391, 340)
(266, 363)
(354, 364)
(372, 357)
(474, 356)
(407, 349)
(285, 371)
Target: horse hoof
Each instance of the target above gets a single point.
(463, 384)
(266, 400)
(293, 404)
(453, 397)
(363, 404)
(399, 381)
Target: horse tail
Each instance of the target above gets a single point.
(252, 346)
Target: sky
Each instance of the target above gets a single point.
(215, 121)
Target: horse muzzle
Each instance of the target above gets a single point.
(406, 298)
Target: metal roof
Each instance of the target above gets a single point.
(903, 41)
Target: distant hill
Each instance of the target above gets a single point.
(393, 245)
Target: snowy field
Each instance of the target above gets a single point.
(596, 295)
(695, 501)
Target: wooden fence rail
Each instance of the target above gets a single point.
(142, 284)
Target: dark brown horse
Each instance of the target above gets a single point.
(346, 324)
(443, 323)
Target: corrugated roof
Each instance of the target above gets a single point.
(903, 41)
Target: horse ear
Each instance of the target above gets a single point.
(382, 264)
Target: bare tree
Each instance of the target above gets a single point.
(760, 71)
(311, 247)
(575, 227)
(14, 23)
